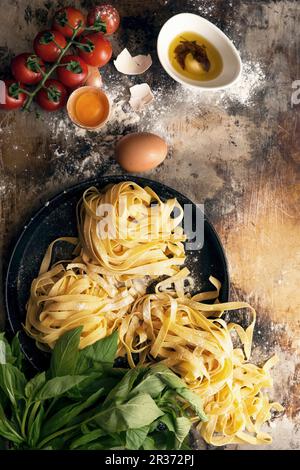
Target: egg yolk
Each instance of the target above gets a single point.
(91, 109)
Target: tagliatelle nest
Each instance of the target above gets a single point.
(122, 232)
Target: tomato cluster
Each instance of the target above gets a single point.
(70, 29)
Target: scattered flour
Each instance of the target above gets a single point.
(61, 125)
(167, 101)
(249, 83)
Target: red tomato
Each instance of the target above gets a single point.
(106, 14)
(95, 49)
(53, 97)
(46, 45)
(26, 68)
(67, 19)
(14, 98)
(74, 73)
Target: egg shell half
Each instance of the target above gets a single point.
(140, 151)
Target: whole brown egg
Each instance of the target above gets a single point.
(140, 151)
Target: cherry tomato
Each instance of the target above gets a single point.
(14, 98)
(74, 73)
(47, 45)
(106, 14)
(26, 68)
(53, 97)
(95, 49)
(68, 18)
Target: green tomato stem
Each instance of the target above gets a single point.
(77, 43)
(22, 90)
(57, 45)
(40, 69)
(94, 28)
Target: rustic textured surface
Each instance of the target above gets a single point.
(236, 151)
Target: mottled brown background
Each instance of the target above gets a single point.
(236, 151)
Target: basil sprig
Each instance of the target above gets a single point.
(84, 402)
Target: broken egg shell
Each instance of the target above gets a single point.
(129, 65)
(94, 77)
(141, 151)
(141, 96)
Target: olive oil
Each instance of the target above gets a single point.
(195, 57)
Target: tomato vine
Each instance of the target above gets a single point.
(98, 27)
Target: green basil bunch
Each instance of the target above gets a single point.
(84, 402)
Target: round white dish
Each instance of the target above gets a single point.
(183, 22)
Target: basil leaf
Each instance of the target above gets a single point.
(194, 400)
(122, 390)
(10, 435)
(150, 384)
(182, 428)
(57, 387)
(2, 351)
(168, 377)
(91, 385)
(168, 421)
(65, 354)
(17, 352)
(149, 444)
(35, 384)
(185, 445)
(93, 446)
(102, 352)
(135, 438)
(35, 429)
(115, 441)
(87, 438)
(175, 383)
(12, 382)
(4, 401)
(138, 412)
(58, 443)
(66, 415)
(7, 429)
(86, 364)
(5, 351)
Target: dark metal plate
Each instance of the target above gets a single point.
(57, 219)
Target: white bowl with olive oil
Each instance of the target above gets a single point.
(196, 53)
